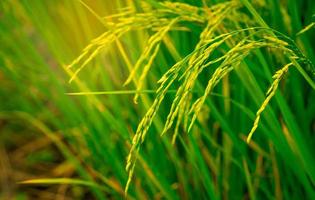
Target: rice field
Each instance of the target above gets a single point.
(148, 99)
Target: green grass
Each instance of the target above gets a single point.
(157, 100)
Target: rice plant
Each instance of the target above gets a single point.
(198, 71)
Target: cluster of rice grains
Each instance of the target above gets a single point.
(218, 31)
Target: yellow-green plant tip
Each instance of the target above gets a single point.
(270, 93)
(308, 27)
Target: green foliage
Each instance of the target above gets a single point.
(197, 71)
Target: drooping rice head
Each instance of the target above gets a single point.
(216, 33)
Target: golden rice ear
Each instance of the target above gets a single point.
(270, 93)
(147, 57)
(192, 65)
(216, 33)
(181, 103)
(230, 60)
(165, 82)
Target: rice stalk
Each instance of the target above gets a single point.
(167, 16)
(231, 59)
